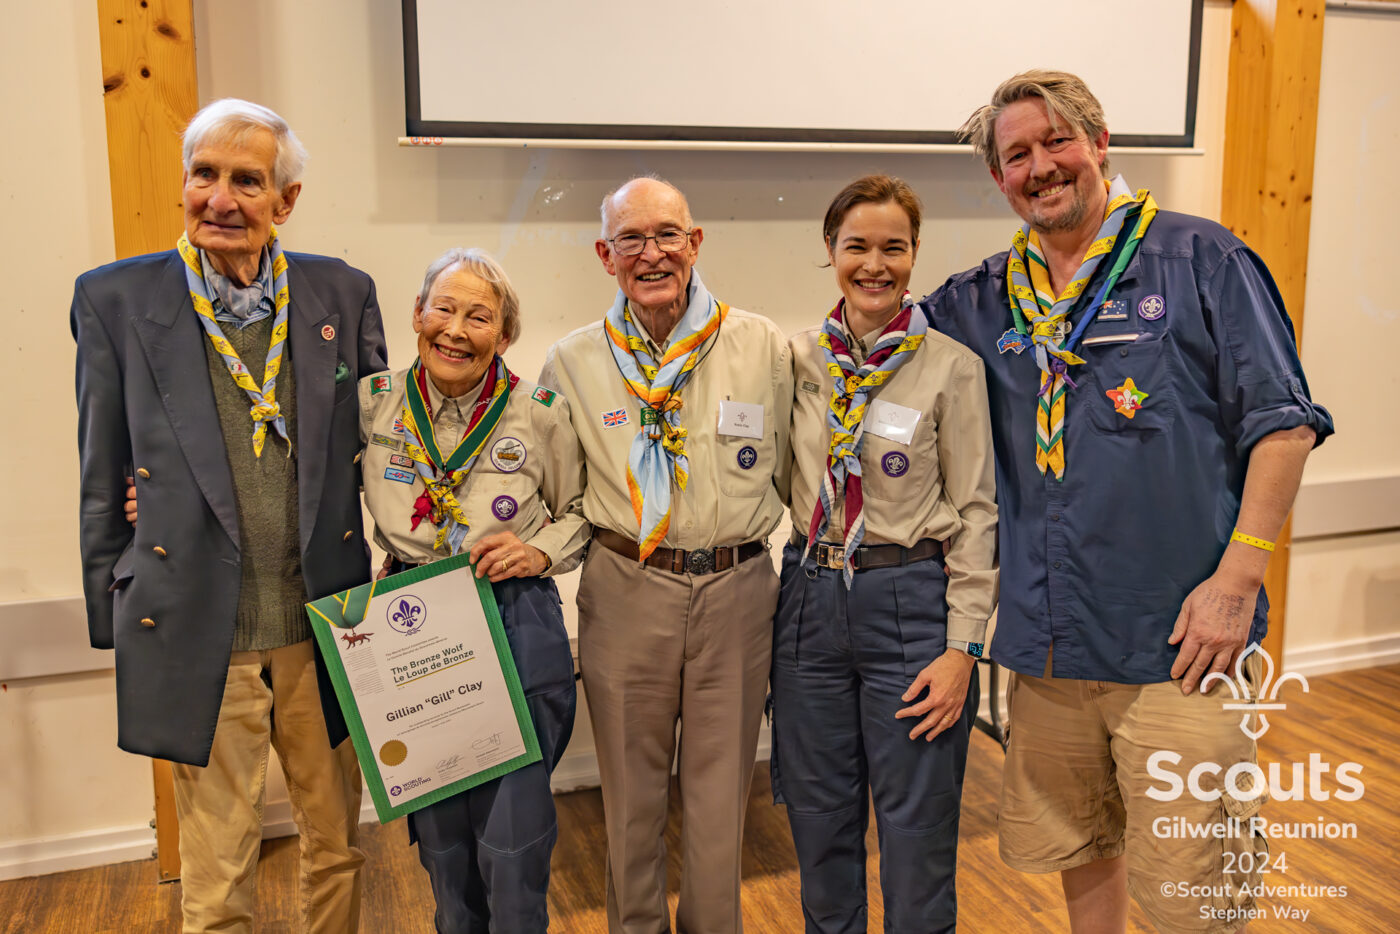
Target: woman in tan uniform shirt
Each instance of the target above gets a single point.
(887, 584)
(514, 501)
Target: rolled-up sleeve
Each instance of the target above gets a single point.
(1261, 384)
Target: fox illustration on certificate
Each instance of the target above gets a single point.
(424, 674)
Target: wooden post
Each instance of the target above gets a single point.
(149, 92)
(1270, 136)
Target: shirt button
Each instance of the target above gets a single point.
(1123, 352)
(1054, 517)
(1057, 565)
(143, 473)
(148, 623)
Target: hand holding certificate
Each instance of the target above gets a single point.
(425, 677)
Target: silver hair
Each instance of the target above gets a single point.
(232, 119)
(480, 264)
(605, 209)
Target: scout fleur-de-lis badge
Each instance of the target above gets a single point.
(1127, 398)
(1244, 699)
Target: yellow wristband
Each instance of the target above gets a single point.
(1238, 536)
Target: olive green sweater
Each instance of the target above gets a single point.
(270, 601)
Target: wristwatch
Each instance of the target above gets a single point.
(969, 648)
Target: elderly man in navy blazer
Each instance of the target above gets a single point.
(220, 377)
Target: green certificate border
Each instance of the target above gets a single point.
(328, 614)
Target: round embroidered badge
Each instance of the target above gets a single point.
(894, 464)
(747, 457)
(503, 507)
(1152, 307)
(508, 455)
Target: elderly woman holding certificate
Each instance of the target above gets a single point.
(461, 455)
(888, 583)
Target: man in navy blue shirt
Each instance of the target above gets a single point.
(1151, 421)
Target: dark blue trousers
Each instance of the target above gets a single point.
(841, 661)
(487, 849)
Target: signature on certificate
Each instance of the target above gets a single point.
(487, 742)
(449, 763)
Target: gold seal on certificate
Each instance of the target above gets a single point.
(424, 675)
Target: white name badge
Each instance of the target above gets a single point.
(895, 422)
(740, 419)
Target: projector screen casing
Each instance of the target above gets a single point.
(783, 71)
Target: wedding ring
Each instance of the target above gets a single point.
(505, 564)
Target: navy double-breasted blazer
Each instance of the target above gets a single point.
(146, 409)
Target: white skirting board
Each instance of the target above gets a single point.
(1371, 652)
(76, 851)
(578, 769)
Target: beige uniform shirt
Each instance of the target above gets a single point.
(530, 470)
(738, 485)
(939, 484)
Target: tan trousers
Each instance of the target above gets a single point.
(270, 696)
(654, 648)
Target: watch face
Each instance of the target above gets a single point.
(974, 649)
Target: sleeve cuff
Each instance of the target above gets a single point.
(966, 629)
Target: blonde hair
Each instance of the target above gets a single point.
(1067, 98)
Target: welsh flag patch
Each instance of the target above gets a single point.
(543, 396)
(381, 383)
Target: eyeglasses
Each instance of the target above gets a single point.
(668, 241)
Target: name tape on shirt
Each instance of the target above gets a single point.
(740, 419)
(895, 422)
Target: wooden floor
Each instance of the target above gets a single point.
(1353, 716)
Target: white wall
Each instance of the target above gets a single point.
(335, 71)
(60, 770)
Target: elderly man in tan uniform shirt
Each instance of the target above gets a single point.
(682, 406)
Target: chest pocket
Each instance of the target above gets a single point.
(745, 465)
(891, 471)
(501, 498)
(1134, 377)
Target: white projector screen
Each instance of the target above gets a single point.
(785, 71)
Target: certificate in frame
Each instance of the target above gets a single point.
(425, 677)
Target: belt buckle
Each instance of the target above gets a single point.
(700, 562)
(831, 556)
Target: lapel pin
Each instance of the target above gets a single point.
(328, 333)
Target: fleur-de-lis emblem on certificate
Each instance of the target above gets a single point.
(407, 613)
(1252, 704)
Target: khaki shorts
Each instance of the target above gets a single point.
(1075, 789)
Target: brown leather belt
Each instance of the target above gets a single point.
(677, 561)
(869, 557)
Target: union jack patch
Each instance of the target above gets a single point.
(615, 419)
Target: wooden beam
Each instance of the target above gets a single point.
(150, 91)
(1270, 136)
(150, 94)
